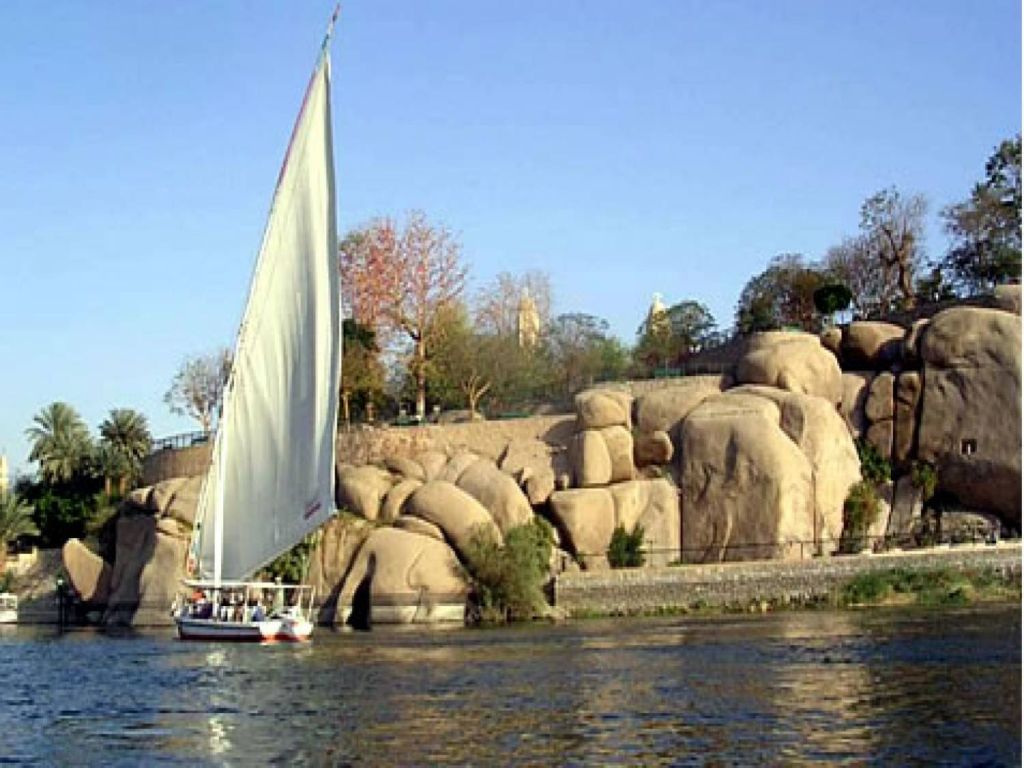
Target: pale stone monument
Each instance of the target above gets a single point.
(4, 479)
(527, 321)
(657, 315)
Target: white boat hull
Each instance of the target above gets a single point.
(267, 631)
(8, 616)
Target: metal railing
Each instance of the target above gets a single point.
(183, 440)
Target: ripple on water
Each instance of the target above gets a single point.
(840, 687)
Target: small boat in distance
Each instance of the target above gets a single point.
(8, 608)
(270, 482)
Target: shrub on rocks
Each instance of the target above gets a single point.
(508, 579)
(859, 513)
(626, 549)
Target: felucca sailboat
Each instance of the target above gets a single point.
(271, 477)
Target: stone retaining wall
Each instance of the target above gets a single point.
(647, 590)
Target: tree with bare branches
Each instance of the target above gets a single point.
(198, 387)
(397, 281)
(497, 303)
(893, 227)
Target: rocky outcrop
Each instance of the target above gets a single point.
(599, 408)
(89, 573)
(394, 502)
(498, 493)
(908, 397)
(856, 386)
(148, 568)
(362, 489)
(760, 466)
(971, 408)
(663, 409)
(454, 511)
(411, 578)
(652, 449)
(871, 345)
(330, 559)
(592, 464)
(795, 362)
(653, 505)
(586, 520)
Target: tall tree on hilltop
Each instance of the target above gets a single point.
(853, 264)
(986, 228)
(397, 282)
(782, 295)
(60, 443)
(893, 227)
(198, 387)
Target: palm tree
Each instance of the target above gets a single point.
(124, 442)
(15, 521)
(60, 442)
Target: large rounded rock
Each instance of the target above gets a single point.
(89, 573)
(499, 494)
(586, 519)
(831, 339)
(406, 467)
(412, 579)
(820, 433)
(161, 495)
(619, 442)
(598, 408)
(663, 409)
(881, 403)
(396, 498)
(330, 560)
(908, 396)
(856, 386)
(653, 505)
(362, 489)
(872, 345)
(535, 464)
(653, 449)
(794, 361)
(454, 511)
(420, 526)
(148, 570)
(592, 464)
(458, 464)
(185, 501)
(912, 343)
(971, 408)
(747, 489)
(433, 463)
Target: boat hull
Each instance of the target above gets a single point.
(269, 631)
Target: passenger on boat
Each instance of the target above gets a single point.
(257, 612)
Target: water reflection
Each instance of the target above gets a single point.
(792, 688)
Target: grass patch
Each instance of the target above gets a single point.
(946, 587)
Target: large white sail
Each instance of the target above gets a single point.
(271, 480)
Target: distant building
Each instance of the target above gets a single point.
(657, 315)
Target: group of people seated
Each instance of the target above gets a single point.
(233, 609)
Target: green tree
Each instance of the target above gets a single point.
(678, 332)
(893, 227)
(15, 520)
(986, 228)
(125, 441)
(781, 296)
(582, 351)
(855, 265)
(508, 579)
(60, 443)
(362, 373)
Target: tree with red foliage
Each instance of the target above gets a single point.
(396, 282)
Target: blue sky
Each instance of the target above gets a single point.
(624, 148)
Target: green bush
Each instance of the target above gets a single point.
(924, 476)
(859, 511)
(291, 566)
(508, 579)
(873, 466)
(626, 549)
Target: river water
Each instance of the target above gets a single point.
(886, 686)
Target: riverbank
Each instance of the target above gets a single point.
(959, 575)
